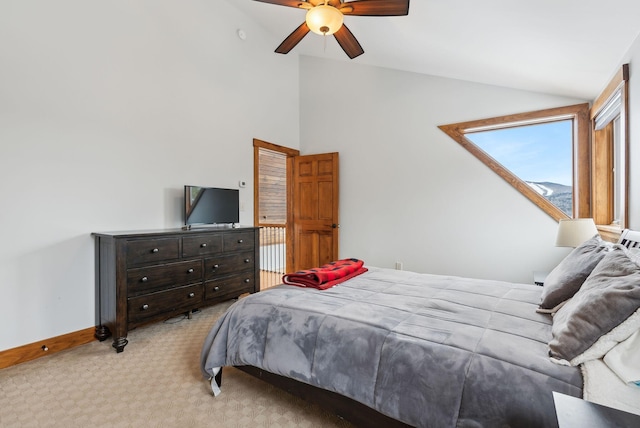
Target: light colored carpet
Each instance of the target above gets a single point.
(155, 382)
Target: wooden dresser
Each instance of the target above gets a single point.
(145, 276)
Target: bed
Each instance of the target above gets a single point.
(396, 348)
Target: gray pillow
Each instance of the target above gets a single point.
(607, 298)
(565, 280)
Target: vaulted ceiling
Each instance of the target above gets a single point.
(566, 47)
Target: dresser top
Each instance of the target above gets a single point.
(173, 231)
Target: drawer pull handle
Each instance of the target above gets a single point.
(216, 288)
(247, 260)
(247, 280)
(203, 245)
(145, 307)
(144, 279)
(215, 267)
(240, 241)
(155, 250)
(190, 270)
(192, 295)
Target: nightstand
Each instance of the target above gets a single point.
(539, 277)
(574, 412)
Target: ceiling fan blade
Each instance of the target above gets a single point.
(293, 39)
(348, 42)
(375, 8)
(301, 4)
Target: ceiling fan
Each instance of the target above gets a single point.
(326, 17)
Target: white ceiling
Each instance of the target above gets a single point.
(566, 47)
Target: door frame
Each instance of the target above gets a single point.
(260, 144)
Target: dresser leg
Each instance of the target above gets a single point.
(120, 343)
(102, 333)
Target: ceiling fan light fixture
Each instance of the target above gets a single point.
(324, 19)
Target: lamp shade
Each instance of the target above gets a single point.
(324, 19)
(573, 232)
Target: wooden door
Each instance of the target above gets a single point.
(314, 196)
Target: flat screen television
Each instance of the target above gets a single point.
(211, 205)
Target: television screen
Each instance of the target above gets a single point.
(211, 205)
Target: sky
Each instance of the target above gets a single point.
(538, 153)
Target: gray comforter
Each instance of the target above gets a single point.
(431, 351)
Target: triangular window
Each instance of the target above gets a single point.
(540, 155)
(543, 154)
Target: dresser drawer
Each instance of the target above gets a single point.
(241, 241)
(215, 267)
(142, 280)
(152, 250)
(200, 245)
(148, 305)
(230, 286)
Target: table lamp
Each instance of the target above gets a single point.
(574, 231)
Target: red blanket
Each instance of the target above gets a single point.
(326, 276)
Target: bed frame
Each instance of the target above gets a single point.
(351, 410)
(341, 406)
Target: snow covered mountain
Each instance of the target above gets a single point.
(558, 194)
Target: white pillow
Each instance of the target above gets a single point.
(624, 359)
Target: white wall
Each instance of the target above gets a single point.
(106, 110)
(409, 192)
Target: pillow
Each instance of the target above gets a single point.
(565, 280)
(609, 340)
(624, 359)
(609, 296)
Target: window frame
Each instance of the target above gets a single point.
(581, 167)
(605, 187)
